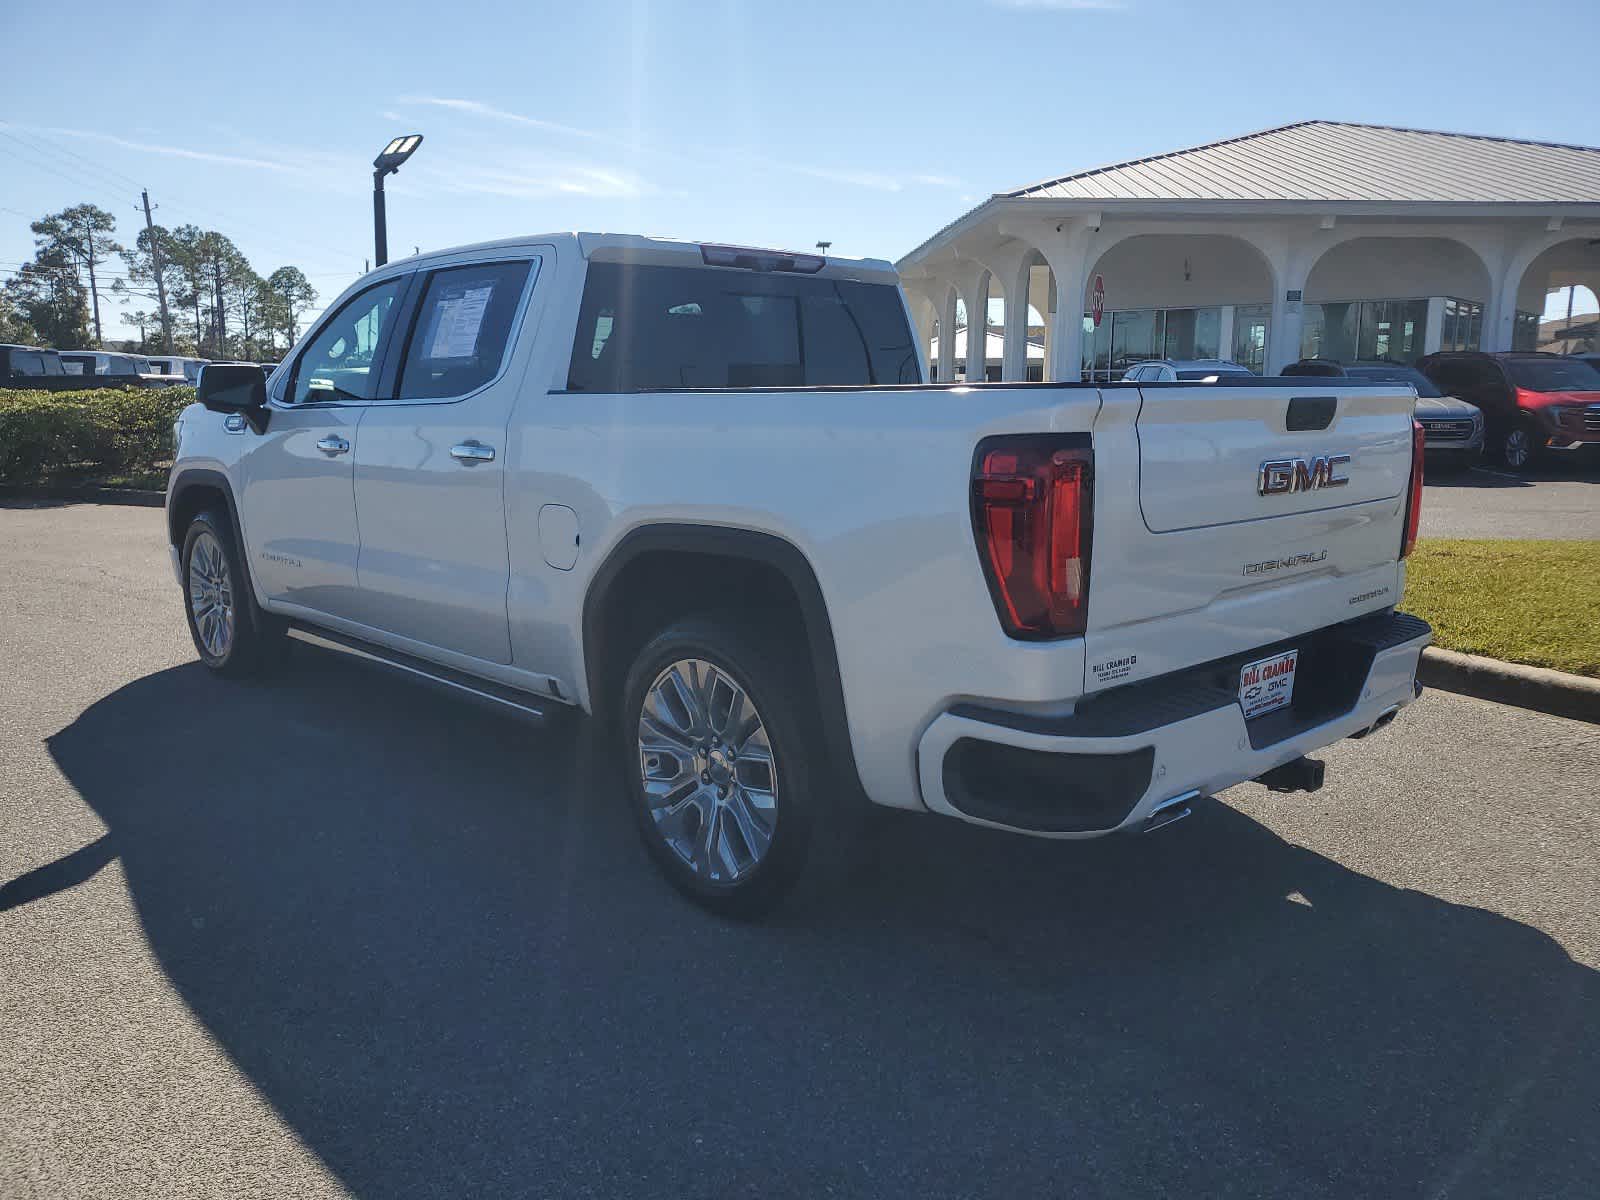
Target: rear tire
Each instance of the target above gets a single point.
(725, 763)
(231, 636)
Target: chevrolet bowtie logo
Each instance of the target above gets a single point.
(1282, 475)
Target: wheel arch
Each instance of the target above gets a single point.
(606, 648)
(190, 493)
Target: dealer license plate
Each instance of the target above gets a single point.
(1267, 684)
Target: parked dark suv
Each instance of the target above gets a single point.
(1531, 400)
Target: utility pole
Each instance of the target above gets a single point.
(161, 281)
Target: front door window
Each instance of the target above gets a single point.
(341, 361)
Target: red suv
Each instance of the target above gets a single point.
(1530, 400)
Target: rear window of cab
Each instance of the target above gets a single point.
(653, 328)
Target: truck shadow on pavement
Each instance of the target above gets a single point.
(430, 939)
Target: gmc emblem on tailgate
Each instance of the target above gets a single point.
(1281, 475)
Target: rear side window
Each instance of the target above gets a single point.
(646, 328)
(25, 363)
(462, 329)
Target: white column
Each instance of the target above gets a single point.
(1433, 331)
(1047, 310)
(1500, 314)
(1067, 252)
(1015, 367)
(977, 298)
(1283, 339)
(947, 335)
(1013, 272)
(1225, 333)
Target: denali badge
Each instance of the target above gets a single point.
(1281, 475)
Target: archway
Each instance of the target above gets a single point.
(1394, 298)
(1179, 296)
(1574, 263)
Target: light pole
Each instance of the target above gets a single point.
(387, 163)
(824, 247)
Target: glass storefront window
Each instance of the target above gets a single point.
(1463, 325)
(1136, 336)
(1252, 324)
(1391, 330)
(1329, 330)
(1193, 333)
(1387, 330)
(1525, 332)
(1097, 348)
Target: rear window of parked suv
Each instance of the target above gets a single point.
(1553, 375)
(649, 328)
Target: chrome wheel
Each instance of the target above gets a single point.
(211, 595)
(709, 777)
(1518, 448)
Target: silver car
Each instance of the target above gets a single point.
(1184, 370)
(1452, 428)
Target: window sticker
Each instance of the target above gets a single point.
(457, 321)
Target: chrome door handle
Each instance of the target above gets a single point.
(472, 452)
(333, 444)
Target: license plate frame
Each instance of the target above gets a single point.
(1267, 684)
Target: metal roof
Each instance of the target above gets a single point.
(1336, 161)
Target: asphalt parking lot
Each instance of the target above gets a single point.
(1559, 498)
(330, 935)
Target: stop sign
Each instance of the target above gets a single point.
(1099, 299)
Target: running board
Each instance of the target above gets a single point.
(524, 704)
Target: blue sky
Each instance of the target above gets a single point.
(866, 124)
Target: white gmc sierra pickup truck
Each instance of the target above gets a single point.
(701, 493)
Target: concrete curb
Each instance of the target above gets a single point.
(93, 495)
(1542, 690)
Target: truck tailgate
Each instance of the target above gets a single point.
(1201, 451)
(1233, 517)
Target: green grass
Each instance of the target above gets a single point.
(1527, 602)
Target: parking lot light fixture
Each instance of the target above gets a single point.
(387, 163)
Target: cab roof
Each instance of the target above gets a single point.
(654, 251)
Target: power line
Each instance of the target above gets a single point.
(75, 175)
(106, 177)
(74, 179)
(36, 136)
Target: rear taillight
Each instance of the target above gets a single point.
(1033, 515)
(1414, 492)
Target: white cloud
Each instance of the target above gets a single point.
(479, 109)
(874, 180)
(945, 181)
(534, 178)
(231, 160)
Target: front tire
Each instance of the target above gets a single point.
(227, 630)
(1518, 445)
(724, 782)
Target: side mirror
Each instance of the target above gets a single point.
(235, 388)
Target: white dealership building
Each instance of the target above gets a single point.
(1318, 239)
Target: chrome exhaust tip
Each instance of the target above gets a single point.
(1169, 812)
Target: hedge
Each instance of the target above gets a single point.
(104, 432)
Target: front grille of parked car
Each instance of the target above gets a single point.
(1591, 418)
(1447, 431)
